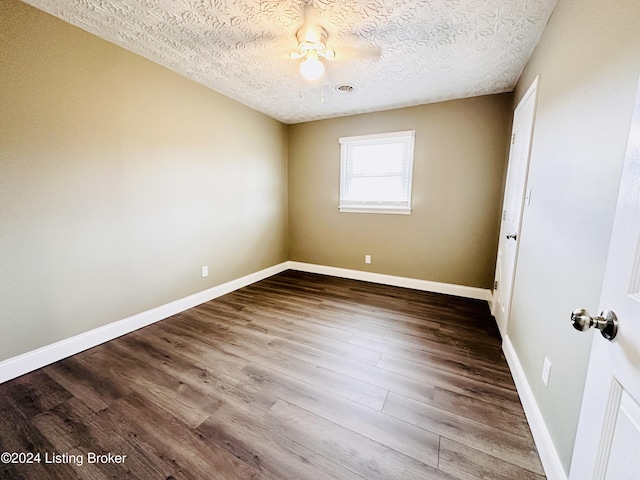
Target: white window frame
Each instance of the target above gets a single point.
(407, 138)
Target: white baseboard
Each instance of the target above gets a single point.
(416, 284)
(41, 357)
(547, 450)
(27, 362)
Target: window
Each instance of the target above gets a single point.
(375, 173)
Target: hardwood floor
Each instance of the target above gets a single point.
(299, 376)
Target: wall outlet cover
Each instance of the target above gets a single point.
(546, 371)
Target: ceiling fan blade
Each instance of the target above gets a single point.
(329, 54)
(350, 53)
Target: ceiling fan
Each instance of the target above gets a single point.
(312, 48)
(312, 45)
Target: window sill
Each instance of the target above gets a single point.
(384, 210)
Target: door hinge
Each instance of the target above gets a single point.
(495, 285)
(513, 138)
(504, 215)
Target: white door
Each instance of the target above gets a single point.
(608, 439)
(514, 196)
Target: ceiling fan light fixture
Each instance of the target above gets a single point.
(311, 68)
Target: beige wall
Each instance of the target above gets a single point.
(451, 235)
(588, 61)
(118, 180)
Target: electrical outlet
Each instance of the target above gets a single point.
(367, 259)
(205, 271)
(546, 370)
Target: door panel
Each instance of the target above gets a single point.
(608, 438)
(523, 120)
(624, 459)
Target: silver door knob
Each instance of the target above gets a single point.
(512, 235)
(606, 322)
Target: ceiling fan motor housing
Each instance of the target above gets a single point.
(312, 33)
(313, 37)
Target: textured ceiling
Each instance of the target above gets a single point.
(429, 50)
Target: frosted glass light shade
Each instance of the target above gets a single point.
(311, 68)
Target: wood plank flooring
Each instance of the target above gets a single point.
(299, 376)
